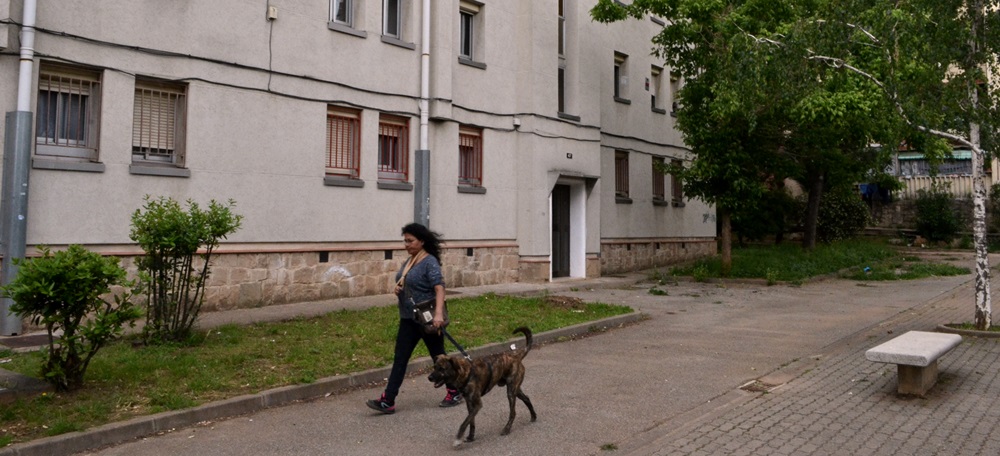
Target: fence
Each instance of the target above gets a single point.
(957, 185)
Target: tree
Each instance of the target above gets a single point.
(70, 293)
(932, 62)
(172, 281)
(752, 112)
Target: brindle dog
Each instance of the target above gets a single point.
(477, 377)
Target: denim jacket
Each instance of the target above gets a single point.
(420, 283)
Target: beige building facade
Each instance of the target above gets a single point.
(525, 133)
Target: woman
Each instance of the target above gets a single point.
(419, 280)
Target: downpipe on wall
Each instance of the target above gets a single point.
(16, 160)
(422, 165)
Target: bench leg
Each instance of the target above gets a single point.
(917, 380)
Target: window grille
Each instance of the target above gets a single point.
(467, 30)
(621, 174)
(659, 187)
(343, 143)
(67, 112)
(470, 157)
(562, 29)
(677, 192)
(158, 123)
(393, 148)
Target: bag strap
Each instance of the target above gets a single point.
(409, 264)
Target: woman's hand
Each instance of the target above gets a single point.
(438, 320)
(398, 290)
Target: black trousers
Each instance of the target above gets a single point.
(407, 337)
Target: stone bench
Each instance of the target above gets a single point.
(916, 353)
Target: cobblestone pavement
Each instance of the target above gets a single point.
(846, 405)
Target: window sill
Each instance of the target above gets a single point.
(660, 202)
(344, 28)
(342, 181)
(563, 115)
(404, 186)
(623, 100)
(398, 42)
(470, 189)
(660, 111)
(67, 165)
(472, 63)
(153, 170)
(623, 200)
(676, 203)
(673, 113)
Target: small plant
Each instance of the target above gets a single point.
(657, 292)
(171, 279)
(772, 276)
(700, 273)
(609, 447)
(936, 217)
(63, 291)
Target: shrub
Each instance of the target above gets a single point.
(63, 292)
(774, 214)
(842, 215)
(936, 218)
(172, 281)
(993, 208)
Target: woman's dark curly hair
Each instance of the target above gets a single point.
(431, 240)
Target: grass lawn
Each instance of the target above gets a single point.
(126, 380)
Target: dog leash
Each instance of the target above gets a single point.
(456, 344)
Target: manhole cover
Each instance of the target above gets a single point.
(757, 386)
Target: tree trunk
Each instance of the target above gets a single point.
(727, 242)
(983, 301)
(812, 212)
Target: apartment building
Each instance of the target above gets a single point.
(525, 133)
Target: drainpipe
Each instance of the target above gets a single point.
(16, 155)
(422, 171)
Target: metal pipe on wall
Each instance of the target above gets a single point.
(16, 158)
(422, 179)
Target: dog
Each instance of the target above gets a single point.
(477, 377)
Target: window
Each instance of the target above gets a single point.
(656, 101)
(393, 148)
(158, 122)
(677, 191)
(659, 189)
(467, 17)
(343, 142)
(621, 174)
(392, 14)
(562, 89)
(675, 90)
(562, 28)
(68, 113)
(620, 82)
(470, 157)
(341, 12)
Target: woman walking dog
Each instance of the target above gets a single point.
(418, 280)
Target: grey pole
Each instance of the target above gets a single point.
(421, 187)
(13, 208)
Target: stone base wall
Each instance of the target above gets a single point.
(245, 280)
(628, 256)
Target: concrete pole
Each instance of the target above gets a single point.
(16, 163)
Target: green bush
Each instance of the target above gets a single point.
(993, 208)
(172, 281)
(842, 215)
(63, 292)
(936, 216)
(776, 212)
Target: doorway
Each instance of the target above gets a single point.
(561, 231)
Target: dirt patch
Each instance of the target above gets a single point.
(565, 302)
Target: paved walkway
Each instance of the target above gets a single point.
(671, 384)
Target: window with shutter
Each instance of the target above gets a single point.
(158, 123)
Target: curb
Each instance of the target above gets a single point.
(115, 433)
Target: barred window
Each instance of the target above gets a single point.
(68, 112)
(393, 148)
(343, 142)
(659, 187)
(621, 174)
(470, 157)
(677, 193)
(158, 122)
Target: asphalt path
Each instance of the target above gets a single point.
(614, 390)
